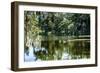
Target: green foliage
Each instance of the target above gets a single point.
(55, 24)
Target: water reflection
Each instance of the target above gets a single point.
(59, 50)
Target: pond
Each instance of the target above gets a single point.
(59, 50)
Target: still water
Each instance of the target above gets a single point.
(59, 50)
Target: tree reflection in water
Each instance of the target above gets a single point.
(61, 50)
(66, 50)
